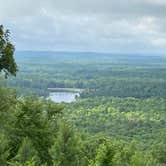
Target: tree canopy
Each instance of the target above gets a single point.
(7, 62)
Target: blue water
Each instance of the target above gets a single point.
(66, 97)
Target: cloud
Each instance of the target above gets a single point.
(86, 25)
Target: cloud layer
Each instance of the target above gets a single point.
(86, 25)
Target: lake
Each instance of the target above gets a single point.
(66, 97)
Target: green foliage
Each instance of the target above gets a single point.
(90, 146)
(29, 127)
(98, 74)
(159, 147)
(27, 153)
(28, 163)
(7, 62)
(4, 150)
(108, 131)
(66, 149)
(7, 106)
(117, 154)
(36, 132)
(141, 159)
(33, 123)
(104, 156)
(123, 118)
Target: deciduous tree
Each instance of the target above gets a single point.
(7, 62)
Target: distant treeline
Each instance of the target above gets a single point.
(99, 74)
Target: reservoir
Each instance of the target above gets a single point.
(66, 97)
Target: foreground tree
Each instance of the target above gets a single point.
(27, 153)
(66, 149)
(4, 150)
(7, 62)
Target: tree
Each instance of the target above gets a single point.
(7, 62)
(32, 123)
(27, 153)
(4, 150)
(119, 154)
(66, 149)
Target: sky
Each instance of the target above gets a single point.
(86, 25)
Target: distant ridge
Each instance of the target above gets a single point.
(88, 53)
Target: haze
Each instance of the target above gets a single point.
(86, 25)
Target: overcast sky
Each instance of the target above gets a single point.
(86, 25)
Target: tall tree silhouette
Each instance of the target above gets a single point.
(7, 62)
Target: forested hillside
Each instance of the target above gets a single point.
(100, 74)
(118, 120)
(118, 132)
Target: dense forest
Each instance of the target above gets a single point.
(100, 74)
(118, 120)
(36, 132)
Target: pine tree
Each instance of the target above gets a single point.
(66, 150)
(4, 150)
(27, 153)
